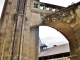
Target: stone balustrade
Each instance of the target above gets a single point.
(45, 7)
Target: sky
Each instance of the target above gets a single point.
(64, 3)
(49, 35)
(1, 6)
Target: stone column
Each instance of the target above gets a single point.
(25, 42)
(34, 35)
(7, 28)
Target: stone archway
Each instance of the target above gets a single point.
(67, 23)
(18, 28)
(68, 32)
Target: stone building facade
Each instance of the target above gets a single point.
(21, 19)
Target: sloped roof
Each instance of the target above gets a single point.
(55, 50)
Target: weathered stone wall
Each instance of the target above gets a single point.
(67, 22)
(63, 58)
(6, 31)
(18, 39)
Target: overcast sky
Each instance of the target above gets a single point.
(51, 37)
(64, 3)
(1, 5)
(48, 35)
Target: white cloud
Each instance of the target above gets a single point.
(0, 9)
(1, 2)
(46, 31)
(50, 36)
(54, 41)
(60, 2)
(1, 6)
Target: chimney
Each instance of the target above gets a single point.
(54, 45)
